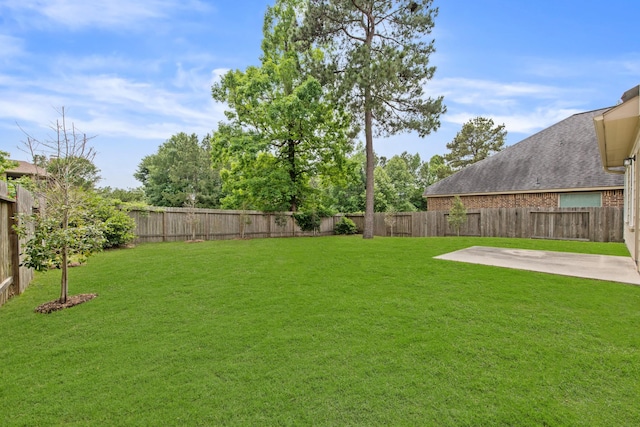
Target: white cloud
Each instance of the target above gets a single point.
(217, 73)
(28, 108)
(629, 66)
(193, 79)
(479, 91)
(76, 14)
(596, 73)
(111, 105)
(526, 122)
(97, 62)
(10, 46)
(523, 107)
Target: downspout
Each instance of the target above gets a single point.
(636, 219)
(636, 201)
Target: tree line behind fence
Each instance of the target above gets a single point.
(178, 224)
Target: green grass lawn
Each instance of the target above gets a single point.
(322, 331)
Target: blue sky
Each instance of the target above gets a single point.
(135, 72)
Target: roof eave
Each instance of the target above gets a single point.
(617, 131)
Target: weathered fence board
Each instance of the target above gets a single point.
(13, 278)
(6, 252)
(24, 205)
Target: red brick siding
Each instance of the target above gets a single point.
(610, 198)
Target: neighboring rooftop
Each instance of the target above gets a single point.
(24, 168)
(564, 156)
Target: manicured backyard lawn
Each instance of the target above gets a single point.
(322, 331)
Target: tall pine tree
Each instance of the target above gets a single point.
(479, 138)
(377, 57)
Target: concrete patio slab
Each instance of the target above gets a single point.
(602, 267)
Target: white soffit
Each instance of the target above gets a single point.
(617, 130)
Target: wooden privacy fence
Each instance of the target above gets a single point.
(592, 224)
(174, 224)
(399, 224)
(13, 278)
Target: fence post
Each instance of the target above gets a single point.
(14, 248)
(293, 225)
(164, 226)
(207, 228)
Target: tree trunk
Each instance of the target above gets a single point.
(368, 132)
(291, 158)
(64, 282)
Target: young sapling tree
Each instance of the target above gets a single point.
(64, 225)
(457, 215)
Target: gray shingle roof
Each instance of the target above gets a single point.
(563, 156)
(24, 168)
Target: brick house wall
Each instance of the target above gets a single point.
(613, 198)
(610, 198)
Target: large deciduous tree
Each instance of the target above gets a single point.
(479, 138)
(405, 172)
(377, 56)
(436, 170)
(180, 170)
(281, 131)
(399, 184)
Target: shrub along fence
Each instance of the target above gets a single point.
(174, 224)
(13, 278)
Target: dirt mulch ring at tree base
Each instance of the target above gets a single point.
(56, 305)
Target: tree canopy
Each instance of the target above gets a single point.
(180, 168)
(399, 184)
(83, 172)
(5, 163)
(436, 169)
(281, 133)
(479, 138)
